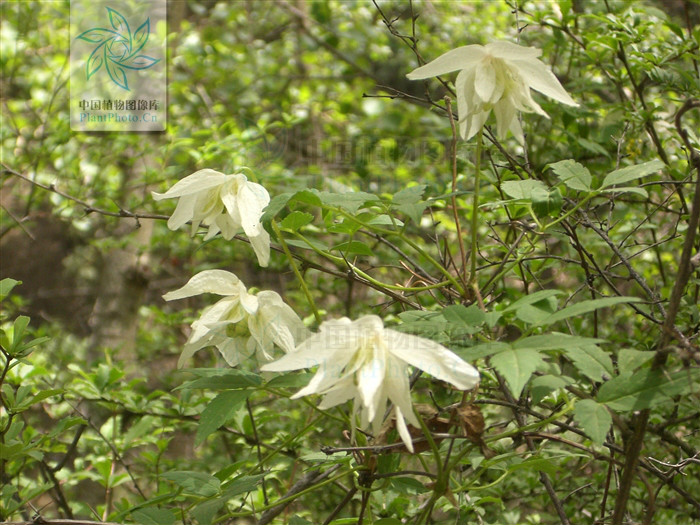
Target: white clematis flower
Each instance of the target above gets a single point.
(265, 319)
(363, 361)
(226, 203)
(498, 77)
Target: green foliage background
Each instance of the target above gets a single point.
(97, 423)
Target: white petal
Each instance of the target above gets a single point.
(198, 181)
(249, 302)
(340, 393)
(310, 353)
(232, 350)
(540, 78)
(403, 430)
(251, 199)
(485, 81)
(459, 58)
(209, 281)
(505, 114)
(398, 389)
(261, 247)
(184, 211)
(432, 358)
(510, 51)
(369, 382)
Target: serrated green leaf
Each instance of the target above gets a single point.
(523, 189)
(628, 360)
(572, 174)
(594, 419)
(221, 378)
(585, 307)
(628, 189)
(409, 195)
(533, 298)
(555, 341)
(241, 485)
(205, 511)
(289, 380)
(535, 464)
(193, 482)
(218, 411)
(296, 220)
(350, 202)
(517, 366)
(414, 211)
(277, 203)
(153, 516)
(353, 248)
(591, 361)
(465, 315)
(646, 388)
(311, 196)
(547, 203)
(631, 173)
(482, 350)
(542, 386)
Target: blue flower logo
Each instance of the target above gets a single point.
(117, 48)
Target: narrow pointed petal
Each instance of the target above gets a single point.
(510, 51)
(198, 181)
(209, 281)
(432, 358)
(459, 58)
(340, 393)
(403, 430)
(184, 211)
(540, 78)
(485, 81)
(261, 247)
(505, 114)
(252, 199)
(369, 382)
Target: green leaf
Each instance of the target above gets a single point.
(353, 248)
(523, 189)
(482, 350)
(465, 315)
(409, 195)
(542, 386)
(516, 366)
(548, 203)
(153, 516)
(277, 203)
(628, 360)
(6, 286)
(205, 511)
(628, 189)
(241, 485)
(298, 520)
(289, 380)
(532, 299)
(591, 361)
(350, 202)
(594, 419)
(646, 388)
(572, 174)
(631, 173)
(554, 341)
(414, 211)
(585, 307)
(296, 220)
(197, 483)
(535, 464)
(221, 379)
(218, 411)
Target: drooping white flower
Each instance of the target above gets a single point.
(498, 77)
(363, 361)
(226, 203)
(265, 320)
